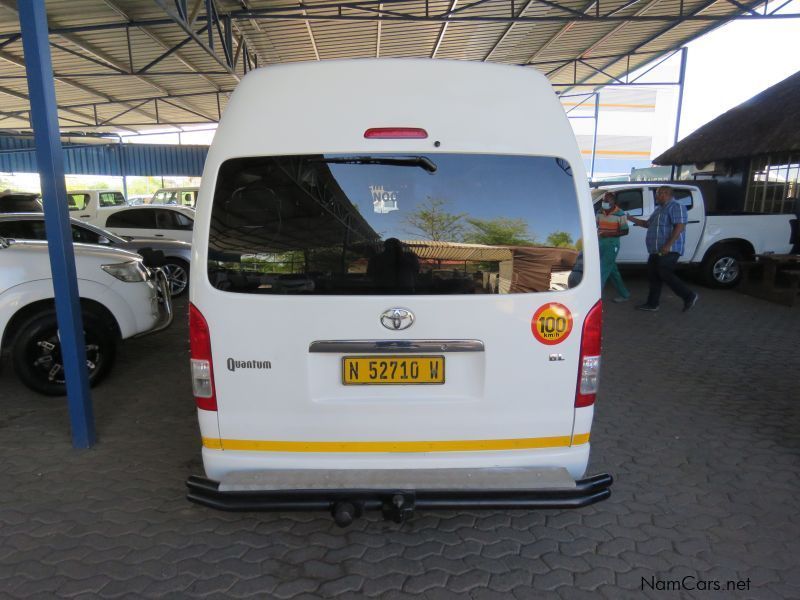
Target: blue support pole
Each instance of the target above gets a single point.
(50, 160)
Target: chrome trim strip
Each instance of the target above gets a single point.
(395, 346)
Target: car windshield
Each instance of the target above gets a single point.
(393, 224)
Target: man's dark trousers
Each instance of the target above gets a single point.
(661, 269)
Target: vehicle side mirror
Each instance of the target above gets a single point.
(103, 240)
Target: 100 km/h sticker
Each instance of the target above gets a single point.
(552, 323)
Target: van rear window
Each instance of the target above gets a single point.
(393, 224)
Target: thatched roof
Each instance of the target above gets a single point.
(768, 123)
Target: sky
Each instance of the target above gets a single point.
(735, 62)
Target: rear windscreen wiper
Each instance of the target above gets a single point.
(407, 161)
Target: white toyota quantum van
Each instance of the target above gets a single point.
(379, 322)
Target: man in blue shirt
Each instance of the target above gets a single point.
(666, 240)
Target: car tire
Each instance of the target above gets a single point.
(177, 272)
(721, 268)
(36, 352)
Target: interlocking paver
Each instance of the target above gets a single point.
(696, 419)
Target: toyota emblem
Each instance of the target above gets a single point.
(397, 319)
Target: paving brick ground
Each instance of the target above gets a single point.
(698, 420)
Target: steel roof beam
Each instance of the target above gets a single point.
(411, 18)
(657, 35)
(132, 23)
(395, 16)
(66, 80)
(109, 102)
(71, 82)
(106, 75)
(167, 53)
(178, 20)
(503, 37)
(21, 96)
(440, 39)
(10, 40)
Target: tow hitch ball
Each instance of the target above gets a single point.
(397, 508)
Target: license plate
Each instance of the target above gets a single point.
(392, 370)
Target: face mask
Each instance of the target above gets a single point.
(605, 205)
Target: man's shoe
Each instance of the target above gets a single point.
(647, 307)
(690, 302)
(620, 299)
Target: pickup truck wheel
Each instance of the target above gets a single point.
(721, 268)
(36, 352)
(177, 273)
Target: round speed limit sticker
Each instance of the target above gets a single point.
(552, 323)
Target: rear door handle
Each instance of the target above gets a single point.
(159, 235)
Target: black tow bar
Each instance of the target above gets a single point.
(396, 505)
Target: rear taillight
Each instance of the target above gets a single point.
(202, 368)
(589, 372)
(395, 133)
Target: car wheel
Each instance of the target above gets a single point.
(177, 273)
(37, 358)
(722, 267)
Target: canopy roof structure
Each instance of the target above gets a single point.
(149, 64)
(767, 123)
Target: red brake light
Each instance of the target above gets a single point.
(395, 133)
(589, 365)
(202, 367)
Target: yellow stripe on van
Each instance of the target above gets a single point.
(434, 446)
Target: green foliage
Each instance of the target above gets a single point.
(432, 222)
(560, 239)
(499, 232)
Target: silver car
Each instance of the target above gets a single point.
(177, 255)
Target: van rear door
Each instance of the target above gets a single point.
(385, 302)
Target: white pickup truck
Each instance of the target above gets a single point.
(92, 205)
(717, 243)
(120, 298)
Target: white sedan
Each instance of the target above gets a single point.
(162, 222)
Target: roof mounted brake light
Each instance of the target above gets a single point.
(395, 133)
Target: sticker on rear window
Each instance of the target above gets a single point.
(552, 323)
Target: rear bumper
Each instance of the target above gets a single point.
(396, 503)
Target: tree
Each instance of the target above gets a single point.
(560, 239)
(499, 232)
(432, 222)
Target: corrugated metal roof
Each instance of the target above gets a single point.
(99, 86)
(17, 155)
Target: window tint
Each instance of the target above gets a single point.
(397, 224)
(13, 230)
(28, 229)
(84, 236)
(630, 201)
(166, 197)
(183, 222)
(112, 199)
(77, 201)
(683, 197)
(143, 218)
(189, 198)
